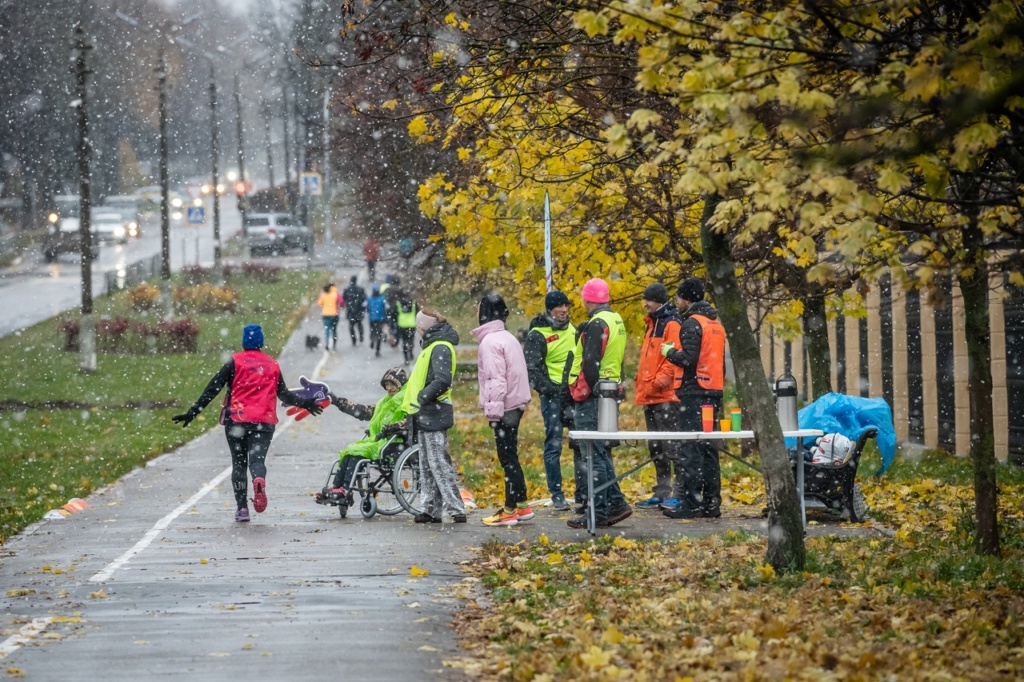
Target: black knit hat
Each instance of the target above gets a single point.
(554, 299)
(656, 292)
(395, 375)
(692, 290)
(492, 307)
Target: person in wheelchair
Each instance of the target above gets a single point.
(386, 419)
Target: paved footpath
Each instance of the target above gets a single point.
(156, 580)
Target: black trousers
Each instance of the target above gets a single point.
(248, 444)
(506, 441)
(376, 335)
(702, 485)
(355, 324)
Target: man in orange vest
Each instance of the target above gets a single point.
(702, 359)
(656, 382)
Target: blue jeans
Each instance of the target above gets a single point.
(585, 419)
(330, 331)
(551, 410)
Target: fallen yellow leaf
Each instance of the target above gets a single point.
(416, 571)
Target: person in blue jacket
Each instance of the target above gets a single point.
(376, 308)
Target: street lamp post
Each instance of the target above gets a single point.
(87, 326)
(214, 153)
(167, 303)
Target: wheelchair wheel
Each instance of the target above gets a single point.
(406, 481)
(368, 507)
(343, 510)
(379, 480)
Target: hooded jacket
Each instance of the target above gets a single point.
(501, 366)
(656, 377)
(437, 415)
(536, 353)
(690, 336)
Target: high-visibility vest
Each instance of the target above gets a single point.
(406, 318)
(711, 363)
(614, 350)
(419, 378)
(560, 343)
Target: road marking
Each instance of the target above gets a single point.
(163, 523)
(25, 635)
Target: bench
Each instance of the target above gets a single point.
(833, 486)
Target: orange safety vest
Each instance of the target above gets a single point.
(711, 363)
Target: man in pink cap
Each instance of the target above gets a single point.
(600, 350)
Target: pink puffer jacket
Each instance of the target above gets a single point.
(504, 383)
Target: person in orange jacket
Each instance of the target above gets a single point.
(328, 302)
(656, 382)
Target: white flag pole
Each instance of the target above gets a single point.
(547, 240)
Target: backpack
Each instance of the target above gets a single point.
(832, 449)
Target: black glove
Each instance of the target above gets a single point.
(390, 430)
(313, 407)
(186, 418)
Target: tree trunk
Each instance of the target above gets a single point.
(785, 525)
(819, 356)
(974, 287)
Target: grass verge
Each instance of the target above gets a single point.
(69, 433)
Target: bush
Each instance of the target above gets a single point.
(196, 274)
(255, 272)
(144, 297)
(206, 298)
(122, 336)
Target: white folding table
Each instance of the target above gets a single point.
(588, 437)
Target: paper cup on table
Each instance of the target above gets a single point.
(737, 419)
(725, 424)
(707, 415)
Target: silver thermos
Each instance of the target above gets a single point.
(608, 399)
(785, 402)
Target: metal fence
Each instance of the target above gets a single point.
(133, 274)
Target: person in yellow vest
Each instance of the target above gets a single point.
(702, 359)
(600, 349)
(548, 349)
(405, 309)
(328, 303)
(428, 402)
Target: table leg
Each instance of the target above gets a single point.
(591, 512)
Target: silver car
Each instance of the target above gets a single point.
(109, 226)
(276, 233)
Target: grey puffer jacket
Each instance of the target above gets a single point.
(435, 415)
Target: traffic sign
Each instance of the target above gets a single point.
(196, 215)
(311, 184)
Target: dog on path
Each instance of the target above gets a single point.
(312, 342)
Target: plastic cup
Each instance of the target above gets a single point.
(737, 419)
(707, 415)
(725, 424)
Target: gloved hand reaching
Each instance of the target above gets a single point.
(185, 419)
(666, 348)
(314, 407)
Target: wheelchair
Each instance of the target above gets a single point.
(388, 485)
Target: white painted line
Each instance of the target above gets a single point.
(155, 531)
(160, 525)
(25, 635)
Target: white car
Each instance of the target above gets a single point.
(109, 226)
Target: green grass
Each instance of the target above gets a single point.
(101, 425)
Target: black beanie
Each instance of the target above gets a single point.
(554, 299)
(692, 290)
(492, 307)
(656, 292)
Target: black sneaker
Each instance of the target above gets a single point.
(711, 513)
(683, 513)
(459, 518)
(581, 522)
(619, 514)
(424, 517)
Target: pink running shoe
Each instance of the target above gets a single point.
(259, 489)
(242, 515)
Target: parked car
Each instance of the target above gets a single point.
(109, 226)
(275, 233)
(128, 207)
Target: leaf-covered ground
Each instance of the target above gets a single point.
(912, 602)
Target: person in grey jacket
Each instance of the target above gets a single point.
(428, 402)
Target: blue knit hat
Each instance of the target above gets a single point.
(252, 337)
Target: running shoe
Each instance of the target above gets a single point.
(651, 502)
(259, 490)
(502, 518)
(559, 503)
(524, 513)
(242, 515)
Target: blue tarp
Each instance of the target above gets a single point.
(850, 415)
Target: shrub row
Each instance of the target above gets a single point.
(120, 335)
(253, 272)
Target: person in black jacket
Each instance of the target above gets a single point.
(548, 350)
(249, 414)
(354, 297)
